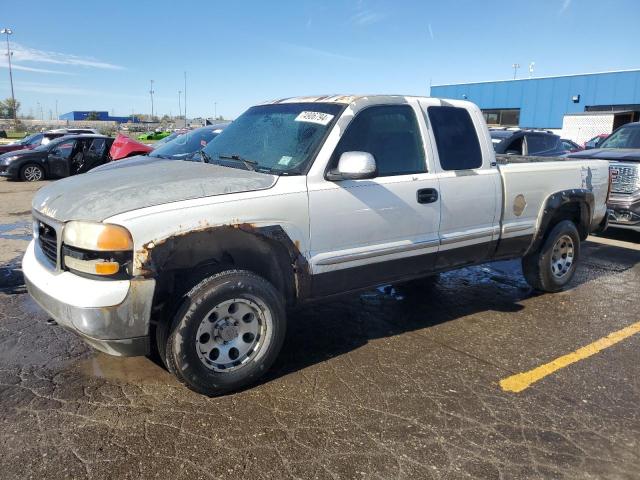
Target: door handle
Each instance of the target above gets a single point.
(427, 195)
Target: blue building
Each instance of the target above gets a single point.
(543, 102)
(100, 116)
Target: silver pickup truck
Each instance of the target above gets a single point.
(297, 200)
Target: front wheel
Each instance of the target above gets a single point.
(31, 173)
(552, 267)
(227, 333)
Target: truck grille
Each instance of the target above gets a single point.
(48, 241)
(624, 178)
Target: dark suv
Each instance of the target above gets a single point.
(527, 142)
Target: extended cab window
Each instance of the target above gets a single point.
(456, 138)
(541, 143)
(390, 133)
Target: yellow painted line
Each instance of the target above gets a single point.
(521, 381)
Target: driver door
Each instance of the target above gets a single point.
(369, 231)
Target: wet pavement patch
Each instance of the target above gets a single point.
(11, 277)
(16, 231)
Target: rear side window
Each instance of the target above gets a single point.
(541, 143)
(456, 138)
(391, 134)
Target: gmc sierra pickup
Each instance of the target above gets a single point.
(622, 150)
(298, 199)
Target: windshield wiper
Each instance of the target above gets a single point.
(205, 157)
(250, 164)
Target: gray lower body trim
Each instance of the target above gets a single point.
(378, 253)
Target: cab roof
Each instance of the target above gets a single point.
(335, 98)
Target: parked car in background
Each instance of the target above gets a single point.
(75, 131)
(124, 147)
(570, 146)
(168, 138)
(62, 157)
(527, 142)
(30, 141)
(595, 141)
(182, 147)
(297, 200)
(153, 135)
(622, 150)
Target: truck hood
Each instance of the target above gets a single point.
(612, 154)
(95, 196)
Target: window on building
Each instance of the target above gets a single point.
(509, 117)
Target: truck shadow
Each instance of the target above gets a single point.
(323, 331)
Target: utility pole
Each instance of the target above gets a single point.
(185, 99)
(179, 103)
(515, 66)
(7, 32)
(151, 93)
(56, 109)
(215, 110)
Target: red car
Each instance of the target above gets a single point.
(124, 147)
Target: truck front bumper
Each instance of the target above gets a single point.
(110, 315)
(624, 211)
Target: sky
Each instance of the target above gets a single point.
(102, 55)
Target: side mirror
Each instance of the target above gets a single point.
(354, 166)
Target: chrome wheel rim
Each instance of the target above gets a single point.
(233, 333)
(32, 173)
(562, 256)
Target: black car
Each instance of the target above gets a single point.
(527, 142)
(68, 155)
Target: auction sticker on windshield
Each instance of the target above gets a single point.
(314, 117)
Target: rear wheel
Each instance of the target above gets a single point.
(31, 173)
(552, 267)
(227, 333)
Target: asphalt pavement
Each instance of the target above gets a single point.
(399, 382)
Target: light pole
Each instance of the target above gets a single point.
(151, 93)
(185, 99)
(515, 66)
(179, 103)
(215, 110)
(7, 32)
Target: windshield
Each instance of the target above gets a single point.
(278, 138)
(627, 136)
(185, 145)
(34, 139)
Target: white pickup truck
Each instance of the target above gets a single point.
(297, 200)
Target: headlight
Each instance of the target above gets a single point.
(97, 249)
(10, 159)
(101, 237)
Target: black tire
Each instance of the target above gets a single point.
(538, 268)
(31, 172)
(184, 357)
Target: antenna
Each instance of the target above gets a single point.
(515, 67)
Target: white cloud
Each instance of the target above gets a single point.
(316, 52)
(565, 5)
(23, 53)
(32, 69)
(55, 89)
(366, 17)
